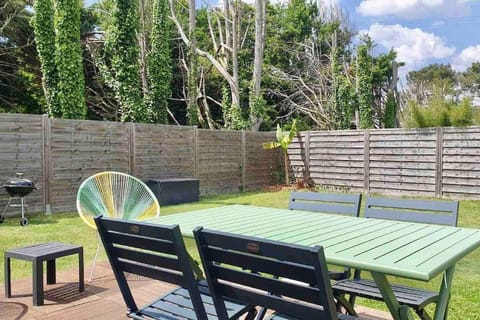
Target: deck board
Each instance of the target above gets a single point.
(101, 299)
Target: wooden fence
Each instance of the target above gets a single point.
(59, 154)
(434, 162)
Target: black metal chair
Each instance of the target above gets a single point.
(158, 252)
(289, 279)
(332, 203)
(424, 211)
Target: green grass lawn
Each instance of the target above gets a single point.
(69, 228)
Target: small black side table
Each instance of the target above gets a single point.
(37, 254)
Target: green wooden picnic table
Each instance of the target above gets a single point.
(382, 247)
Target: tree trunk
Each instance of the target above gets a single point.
(260, 7)
(143, 47)
(285, 163)
(192, 110)
(235, 46)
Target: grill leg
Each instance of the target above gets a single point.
(23, 205)
(5, 210)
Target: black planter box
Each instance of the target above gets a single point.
(174, 191)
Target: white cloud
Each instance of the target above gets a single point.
(438, 23)
(465, 59)
(413, 46)
(413, 9)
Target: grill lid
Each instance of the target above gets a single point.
(19, 186)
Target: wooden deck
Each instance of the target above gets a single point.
(101, 299)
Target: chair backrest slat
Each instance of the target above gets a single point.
(300, 311)
(152, 273)
(156, 260)
(270, 284)
(337, 203)
(266, 273)
(282, 269)
(153, 251)
(159, 245)
(414, 210)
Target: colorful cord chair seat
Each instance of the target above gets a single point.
(115, 195)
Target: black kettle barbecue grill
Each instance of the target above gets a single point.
(18, 188)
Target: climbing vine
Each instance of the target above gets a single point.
(390, 111)
(42, 23)
(68, 60)
(364, 88)
(159, 62)
(232, 115)
(121, 59)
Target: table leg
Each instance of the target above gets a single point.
(51, 272)
(37, 279)
(399, 312)
(81, 285)
(444, 294)
(8, 281)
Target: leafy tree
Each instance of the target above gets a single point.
(68, 60)
(43, 26)
(343, 99)
(20, 85)
(439, 77)
(159, 62)
(470, 79)
(364, 87)
(433, 72)
(121, 68)
(57, 33)
(308, 62)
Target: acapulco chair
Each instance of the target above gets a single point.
(115, 195)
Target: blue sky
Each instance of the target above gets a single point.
(421, 31)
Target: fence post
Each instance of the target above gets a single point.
(366, 160)
(307, 156)
(47, 163)
(243, 160)
(131, 148)
(195, 152)
(439, 162)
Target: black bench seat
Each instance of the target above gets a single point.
(412, 297)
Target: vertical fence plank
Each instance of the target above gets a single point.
(195, 152)
(439, 162)
(307, 156)
(243, 162)
(366, 161)
(131, 148)
(47, 163)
